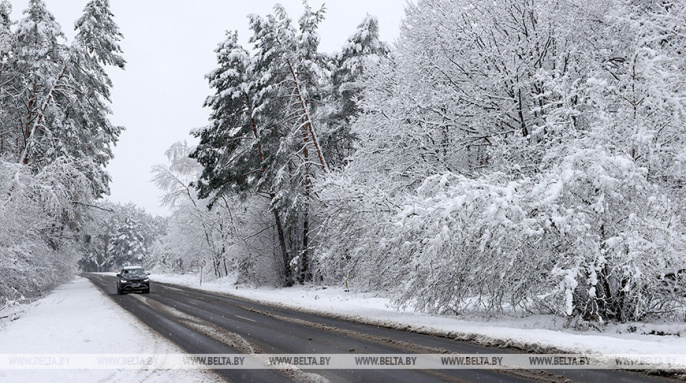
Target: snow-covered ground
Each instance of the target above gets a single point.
(77, 318)
(536, 333)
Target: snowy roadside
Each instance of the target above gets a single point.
(77, 318)
(537, 334)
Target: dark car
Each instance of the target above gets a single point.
(133, 278)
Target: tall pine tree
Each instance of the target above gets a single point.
(96, 46)
(261, 137)
(362, 50)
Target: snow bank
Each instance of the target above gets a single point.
(536, 333)
(78, 319)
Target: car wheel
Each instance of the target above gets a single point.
(119, 292)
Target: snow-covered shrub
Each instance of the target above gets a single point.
(252, 246)
(610, 235)
(351, 237)
(37, 215)
(469, 245)
(590, 236)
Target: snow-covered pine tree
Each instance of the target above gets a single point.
(128, 242)
(65, 90)
(231, 147)
(273, 40)
(262, 138)
(362, 49)
(6, 44)
(289, 60)
(55, 138)
(228, 150)
(99, 36)
(307, 71)
(96, 46)
(40, 60)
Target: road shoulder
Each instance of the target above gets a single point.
(536, 333)
(77, 318)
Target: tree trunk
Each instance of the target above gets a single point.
(38, 119)
(307, 125)
(308, 133)
(287, 277)
(226, 268)
(305, 270)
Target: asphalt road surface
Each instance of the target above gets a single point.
(211, 323)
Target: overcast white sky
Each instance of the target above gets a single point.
(169, 47)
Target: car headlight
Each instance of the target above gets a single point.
(123, 281)
(146, 280)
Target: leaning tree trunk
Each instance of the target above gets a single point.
(309, 138)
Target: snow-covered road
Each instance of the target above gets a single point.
(77, 318)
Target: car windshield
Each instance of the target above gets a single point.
(133, 273)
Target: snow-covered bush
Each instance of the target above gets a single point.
(37, 222)
(234, 237)
(357, 217)
(468, 245)
(611, 237)
(590, 236)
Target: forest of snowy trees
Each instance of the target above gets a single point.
(522, 158)
(55, 140)
(526, 157)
